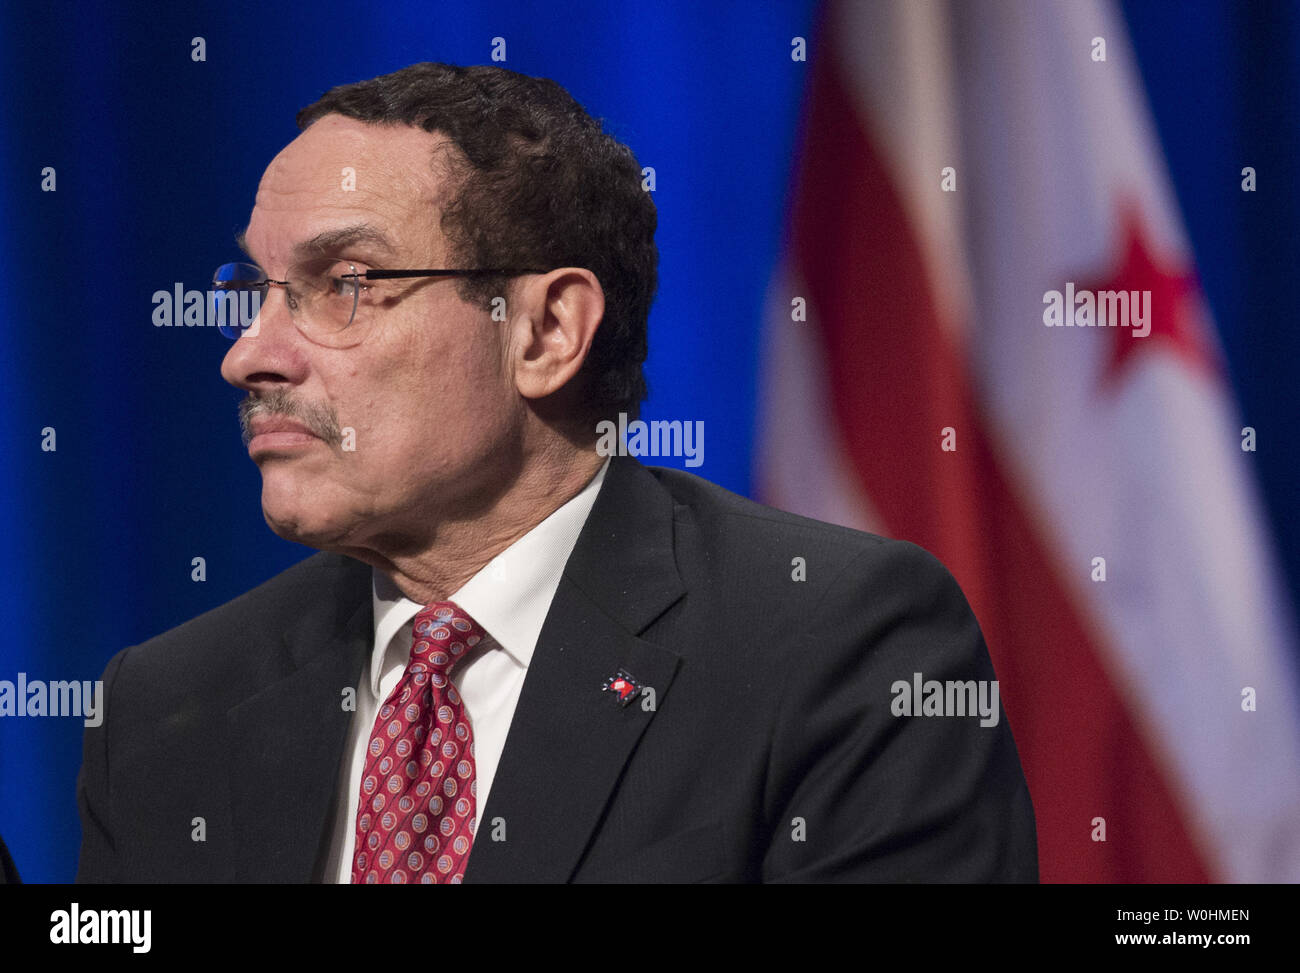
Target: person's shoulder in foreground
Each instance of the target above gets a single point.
(767, 653)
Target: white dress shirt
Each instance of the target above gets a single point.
(509, 598)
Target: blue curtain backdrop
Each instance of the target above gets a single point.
(157, 158)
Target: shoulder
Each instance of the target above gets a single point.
(834, 558)
(222, 649)
(860, 607)
(321, 580)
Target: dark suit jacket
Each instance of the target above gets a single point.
(770, 752)
(8, 870)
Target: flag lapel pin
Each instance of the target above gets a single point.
(622, 685)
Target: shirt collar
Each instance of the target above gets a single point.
(509, 597)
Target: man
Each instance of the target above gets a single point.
(517, 659)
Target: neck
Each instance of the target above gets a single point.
(461, 547)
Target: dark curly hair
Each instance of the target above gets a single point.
(538, 183)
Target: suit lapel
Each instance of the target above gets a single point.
(287, 740)
(569, 740)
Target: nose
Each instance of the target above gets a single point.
(271, 352)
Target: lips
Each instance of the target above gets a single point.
(277, 434)
(264, 425)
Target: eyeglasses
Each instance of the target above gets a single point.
(331, 302)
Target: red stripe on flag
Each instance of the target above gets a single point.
(896, 380)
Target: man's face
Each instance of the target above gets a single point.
(429, 400)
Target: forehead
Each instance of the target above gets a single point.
(343, 173)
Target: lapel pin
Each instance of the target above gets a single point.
(622, 685)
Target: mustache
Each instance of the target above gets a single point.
(320, 419)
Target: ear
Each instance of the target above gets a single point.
(552, 325)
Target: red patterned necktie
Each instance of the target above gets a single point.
(417, 815)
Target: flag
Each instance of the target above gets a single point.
(986, 336)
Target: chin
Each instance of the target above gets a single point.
(303, 520)
(297, 529)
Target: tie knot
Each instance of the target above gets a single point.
(443, 633)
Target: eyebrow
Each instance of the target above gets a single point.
(329, 242)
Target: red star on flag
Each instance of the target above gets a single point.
(1175, 301)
